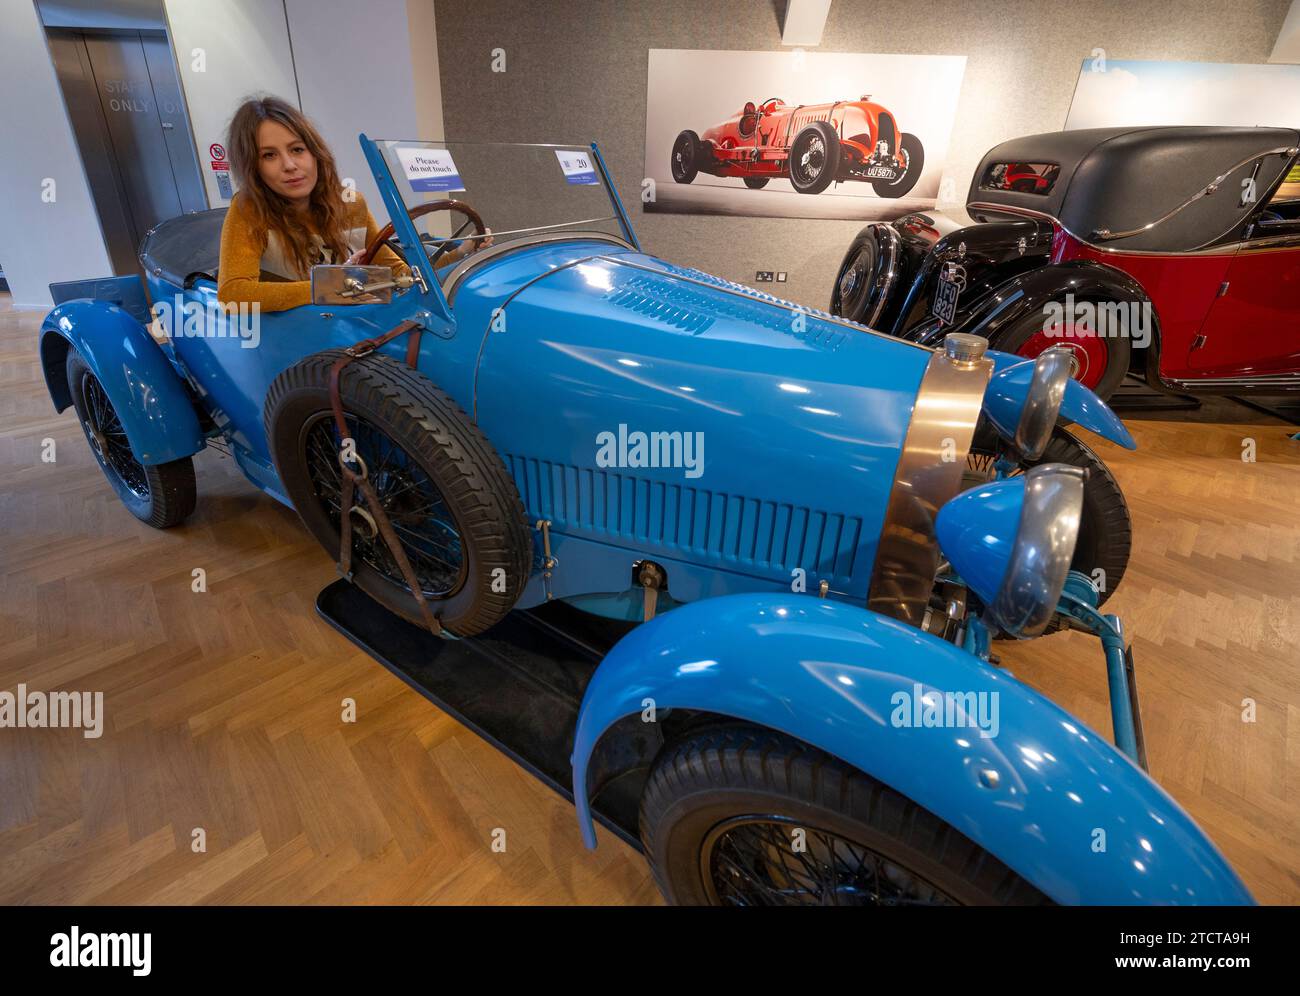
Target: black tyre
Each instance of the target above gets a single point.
(685, 163)
(814, 158)
(442, 486)
(721, 808)
(854, 291)
(913, 153)
(756, 182)
(1105, 529)
(1102, 361)
(164, 494)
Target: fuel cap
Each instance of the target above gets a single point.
(964, 347)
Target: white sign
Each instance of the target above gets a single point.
(578, 166)
(430, 169)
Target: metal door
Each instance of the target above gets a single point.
(132, 130)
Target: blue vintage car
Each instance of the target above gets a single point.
(815, 531)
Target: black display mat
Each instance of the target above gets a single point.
(518, 686)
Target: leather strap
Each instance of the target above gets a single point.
(353, 480)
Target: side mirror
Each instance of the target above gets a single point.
(339, 284)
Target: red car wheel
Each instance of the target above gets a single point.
(1091, 352)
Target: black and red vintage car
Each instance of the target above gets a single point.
(811, 145)
(1170, 251)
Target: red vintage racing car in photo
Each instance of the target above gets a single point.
(811, 145)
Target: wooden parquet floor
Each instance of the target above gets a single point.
(222, 709)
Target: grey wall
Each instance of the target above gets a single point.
(576, 71)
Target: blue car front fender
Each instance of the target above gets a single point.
(1009, 387)
(1043, 793)
(147, 393)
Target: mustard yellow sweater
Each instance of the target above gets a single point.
(244, 241)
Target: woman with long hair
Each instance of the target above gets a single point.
(290, 212)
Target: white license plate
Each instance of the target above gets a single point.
(881, 172)
(945, 300)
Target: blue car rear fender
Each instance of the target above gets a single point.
(1022, 778)
(146, 391)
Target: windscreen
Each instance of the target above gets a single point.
(518, 191)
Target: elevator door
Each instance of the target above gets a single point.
(132, 130)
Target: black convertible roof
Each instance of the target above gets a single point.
(1119, 179)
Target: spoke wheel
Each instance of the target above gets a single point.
(752, 861)
(808, 167)
(740, 815)
(450, 499)
(814, 158)
(161, 494)
(108, 438)
(415, 506)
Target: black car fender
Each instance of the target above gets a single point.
(1004, 308)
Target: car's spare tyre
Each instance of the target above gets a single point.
(444, 489)
(855, 294)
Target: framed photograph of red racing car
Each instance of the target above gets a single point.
(797, 134)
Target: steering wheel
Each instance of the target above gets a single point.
(386, 233)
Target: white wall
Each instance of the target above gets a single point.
(427, 82)
(245, 52)
(40, 242)
(371, 69)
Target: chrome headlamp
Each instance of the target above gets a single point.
(1012, 542)
(1024, 400)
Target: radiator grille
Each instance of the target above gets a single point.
(688, 522)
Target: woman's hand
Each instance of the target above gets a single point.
(355, 258)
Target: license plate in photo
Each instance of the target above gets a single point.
(945, 301)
